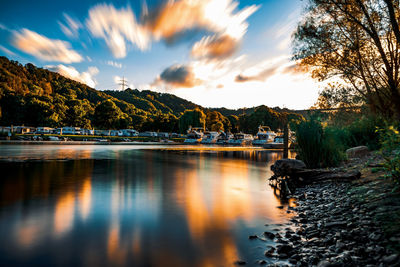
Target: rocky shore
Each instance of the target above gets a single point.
(341, 224)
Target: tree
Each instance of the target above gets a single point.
(234, 121)
(108, 116)
(356, 41)
(194, 118)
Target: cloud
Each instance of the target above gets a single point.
(171, 21)
(261, 76)
(117, 27)
(212, 47)
(276, 66)
(217, 16)
(44, 48)
(178, 76)
(7, 51)
(71, 26)
(86, 77)
(4, 27)
(114, 64)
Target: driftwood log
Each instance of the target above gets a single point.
(291, 173)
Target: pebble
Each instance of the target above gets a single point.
(329, 229)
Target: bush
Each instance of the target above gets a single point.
(318, 147)
(363, 132)
(390, 150)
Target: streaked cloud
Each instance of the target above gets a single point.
(114, 64)
(86, 77)
(70, 27)
(7, 51)
(181, 76)
(266, 69)
(44, 48)
(117, 27)
(169, 21)
(212, 47)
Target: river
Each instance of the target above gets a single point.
(105, 205)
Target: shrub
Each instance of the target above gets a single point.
(318, 147)
(390, 150)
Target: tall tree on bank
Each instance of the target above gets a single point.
(193, 118)
(357, 41)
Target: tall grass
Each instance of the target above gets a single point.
(318, 147)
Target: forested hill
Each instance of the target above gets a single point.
(38, 97)
(154, 101)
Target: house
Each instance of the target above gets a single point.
(129, 132)
(44, 130)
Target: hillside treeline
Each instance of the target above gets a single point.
(38, 97)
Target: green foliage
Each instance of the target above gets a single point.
(108, 116)
(194, 118)
(262, 115)
(317, 146)
(390, 142)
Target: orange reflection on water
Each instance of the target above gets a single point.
(64, 213)
(85, 198)
(27, 234)
(115, 252)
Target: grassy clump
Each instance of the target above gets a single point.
(390, 150)
(318, 147)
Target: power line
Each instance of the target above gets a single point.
(123, 83)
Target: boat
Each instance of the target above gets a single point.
(276, 144)
(241, 139)
(210, 137)
(194, 136)
(264, 136)
(223, 138)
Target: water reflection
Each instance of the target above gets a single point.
(139, 207)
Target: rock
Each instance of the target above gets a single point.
(357, 152)
(280, 207)
(269, 235)
(253, 237)
(335, 224)
(284, 249)
(261, 262)
(240, 262)
(287, 166)
(390, 259)
(324, 263)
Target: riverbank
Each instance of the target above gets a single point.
(343, 224)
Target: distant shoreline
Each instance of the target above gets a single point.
(33, 142)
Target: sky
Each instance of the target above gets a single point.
(215, 53)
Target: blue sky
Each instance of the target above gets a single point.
(213, 52)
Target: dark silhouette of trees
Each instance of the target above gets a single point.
(356, 41)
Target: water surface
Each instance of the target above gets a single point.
(134, 206)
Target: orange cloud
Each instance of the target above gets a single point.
(211, 47)
(44, 48)
(170, 20)
(179, 76)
